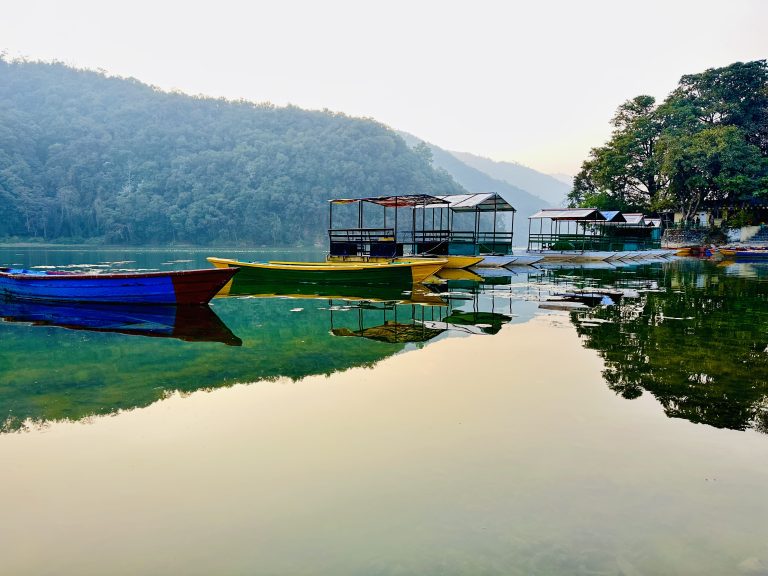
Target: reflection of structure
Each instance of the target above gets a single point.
(387, 321)
(469, 304)
(189, 323)
(491, 307)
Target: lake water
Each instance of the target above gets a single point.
(473, 428)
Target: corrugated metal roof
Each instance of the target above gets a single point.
(569, 214)
(612, 216)
(480, 201)
(395, 201)
(635, 218)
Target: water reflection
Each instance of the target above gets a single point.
(95, 366)
(692, 334)
(385, 322)
(188, 323)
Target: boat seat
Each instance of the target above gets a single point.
(386, 249)
(344, 249)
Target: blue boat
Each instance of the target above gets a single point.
(188, 287)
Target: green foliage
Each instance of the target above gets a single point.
(715, 164)
(706, 143)
(84, 157)
(624, 173)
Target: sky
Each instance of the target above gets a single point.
(533, 82)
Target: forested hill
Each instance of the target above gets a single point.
(86, 157)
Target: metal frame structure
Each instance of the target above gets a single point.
(590, 229)
(437, 237)
(378, 242)
(564, 224)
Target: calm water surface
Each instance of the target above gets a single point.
(473, 428)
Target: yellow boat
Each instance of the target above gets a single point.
(405, 273)
(454, 262)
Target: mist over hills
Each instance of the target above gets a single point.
(475, 180)
(566, 179)
(85, 157)
(546, 186)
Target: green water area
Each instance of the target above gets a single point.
(544, 420)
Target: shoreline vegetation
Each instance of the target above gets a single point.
(87, 157)
(704, 147)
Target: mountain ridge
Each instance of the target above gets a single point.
(475, 180)
(86, 157)
(545, 186)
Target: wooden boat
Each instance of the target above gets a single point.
(495, 261)
(178, 287)
(525, 259)
(451, 261)
(400, 273)
(188, 323)
(454, 261)
(744, 253)
(575, 255)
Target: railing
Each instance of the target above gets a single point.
(364, 242)
(465, 242)
(382, 242)
(581, 242)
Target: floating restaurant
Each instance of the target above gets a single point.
(572, 234)
(464, 228)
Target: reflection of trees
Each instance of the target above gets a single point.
(78, 374)
(699, 346)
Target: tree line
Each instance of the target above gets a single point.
(88, 157)
(705, 144)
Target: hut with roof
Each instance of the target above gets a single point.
(453, 226)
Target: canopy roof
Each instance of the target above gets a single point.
(613, 216)
(635, 218)
(590, 214)
(396, 201)
(481, 201)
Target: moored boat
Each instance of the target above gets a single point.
(495, 261)
(576, 255)
(525, 259)
(399, 273)
(450, 261)
(744, 253)
(176, 287)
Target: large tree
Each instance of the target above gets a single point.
(624, 173)
(708, 141)
(714, 164)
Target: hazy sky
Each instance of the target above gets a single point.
(529, 81)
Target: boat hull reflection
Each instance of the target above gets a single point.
(416, 294)
(188, 323)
